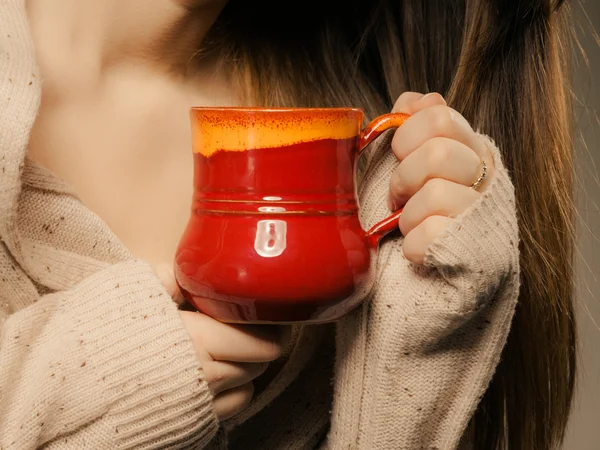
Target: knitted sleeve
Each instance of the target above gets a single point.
(105, 364)
(413, 363)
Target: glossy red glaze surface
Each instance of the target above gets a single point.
(274, 234)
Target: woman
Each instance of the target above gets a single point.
(95, 193)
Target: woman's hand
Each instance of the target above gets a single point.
(441, 157)
(231, 356)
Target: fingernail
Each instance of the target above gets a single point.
(427, 95)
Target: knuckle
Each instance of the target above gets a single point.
(441, 119)
(437, 97)
(438, 152)
(430, 228)
(433, 189)
(405, 100)
(406, 97)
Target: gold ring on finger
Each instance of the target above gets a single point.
(482, 176)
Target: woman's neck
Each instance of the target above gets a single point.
(90, 37)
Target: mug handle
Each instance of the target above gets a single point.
(371, 132)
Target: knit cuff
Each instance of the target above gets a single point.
(142, 355)
(483, 241)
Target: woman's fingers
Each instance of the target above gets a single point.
(413, 102)
(417, 242)
(235, 343)
(231, 356)
(231, 402)
(223, 375)
(436, 198)
(432, 122)
(438, 158)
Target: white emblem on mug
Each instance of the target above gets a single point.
(270, 238)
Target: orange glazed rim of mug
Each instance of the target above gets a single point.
(241, 128)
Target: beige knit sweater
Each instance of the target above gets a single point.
(93, 354)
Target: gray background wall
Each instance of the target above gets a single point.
(584, 430)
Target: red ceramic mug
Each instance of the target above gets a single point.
(274, 234)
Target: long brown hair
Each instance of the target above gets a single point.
(505, 66)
